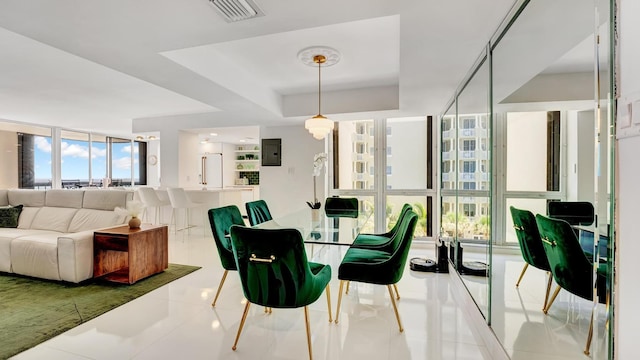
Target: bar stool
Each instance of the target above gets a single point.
(150, 199)
(179, 200)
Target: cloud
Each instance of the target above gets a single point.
(127, 149)
(42, 143)
(123, 163)
(74, 150)
(97, 152)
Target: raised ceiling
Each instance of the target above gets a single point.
(124, 66)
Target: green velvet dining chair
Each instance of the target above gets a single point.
(221, 219)
(570, 267)
(275, 273)
(258, 212)
(341, 207)
(379, 267)
(524, 223)
(382, 241)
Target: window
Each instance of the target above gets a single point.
(74, 155)
(468, 123)
(468, 145)
(98, 159)
(446, 166)
(483, 166)
(41, 165)
(406, 178)
(447, 123)
(344, 158)
(447, 145)
(468, 167)
(468, 185)
(409, 172)
(469, 210)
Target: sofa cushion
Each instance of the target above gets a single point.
(36, 255)
(64, 198)
(26, 217)
(105, 199)
(53, 218)
(9, 216)
(6, 236)
(89, 219)
(26, 197)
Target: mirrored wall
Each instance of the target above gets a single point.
(529, 129)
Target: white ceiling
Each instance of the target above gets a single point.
(123, 66)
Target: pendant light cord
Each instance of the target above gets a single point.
(319, 88)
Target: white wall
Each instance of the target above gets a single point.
(228, 164)
(8, 160)
(189, 160)
(286, 188)
(153, 171)
(627, 291)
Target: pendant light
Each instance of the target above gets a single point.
(319, 126)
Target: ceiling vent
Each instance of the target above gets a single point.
(236, 10)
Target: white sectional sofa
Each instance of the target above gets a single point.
(54, 237)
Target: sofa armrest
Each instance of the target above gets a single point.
(75, 256)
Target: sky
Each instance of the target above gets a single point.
(75, 159)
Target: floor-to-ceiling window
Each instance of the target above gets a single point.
(386, 163)
(36, 157)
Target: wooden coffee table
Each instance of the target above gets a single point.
(127, 255)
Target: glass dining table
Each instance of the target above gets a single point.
(320, 229)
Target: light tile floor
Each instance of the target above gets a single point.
(177, 321)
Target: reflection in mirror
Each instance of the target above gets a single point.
(552, 146)
(473, 183)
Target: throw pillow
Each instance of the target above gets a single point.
(9, 216)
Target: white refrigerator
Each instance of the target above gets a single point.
(211, 170)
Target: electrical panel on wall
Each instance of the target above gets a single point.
(628, 116)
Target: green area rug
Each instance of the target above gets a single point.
(33, 310)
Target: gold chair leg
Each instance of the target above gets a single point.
(347, 291)
(395, 287)
(224, 277)
(546, 296)
(329, 303)
(244, 317)
(395, 307)
(553, 298)
(526, 265)
(339, 299)
(306, 320)
(590, 336)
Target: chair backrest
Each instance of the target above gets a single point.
(403, 212)
(573, 212)
(570, 267)
(149, 197)
(341, 207)
(178, 198)
(221, 219)
(524, 222)
(273, 267)
(402, 243)
(258, 212)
